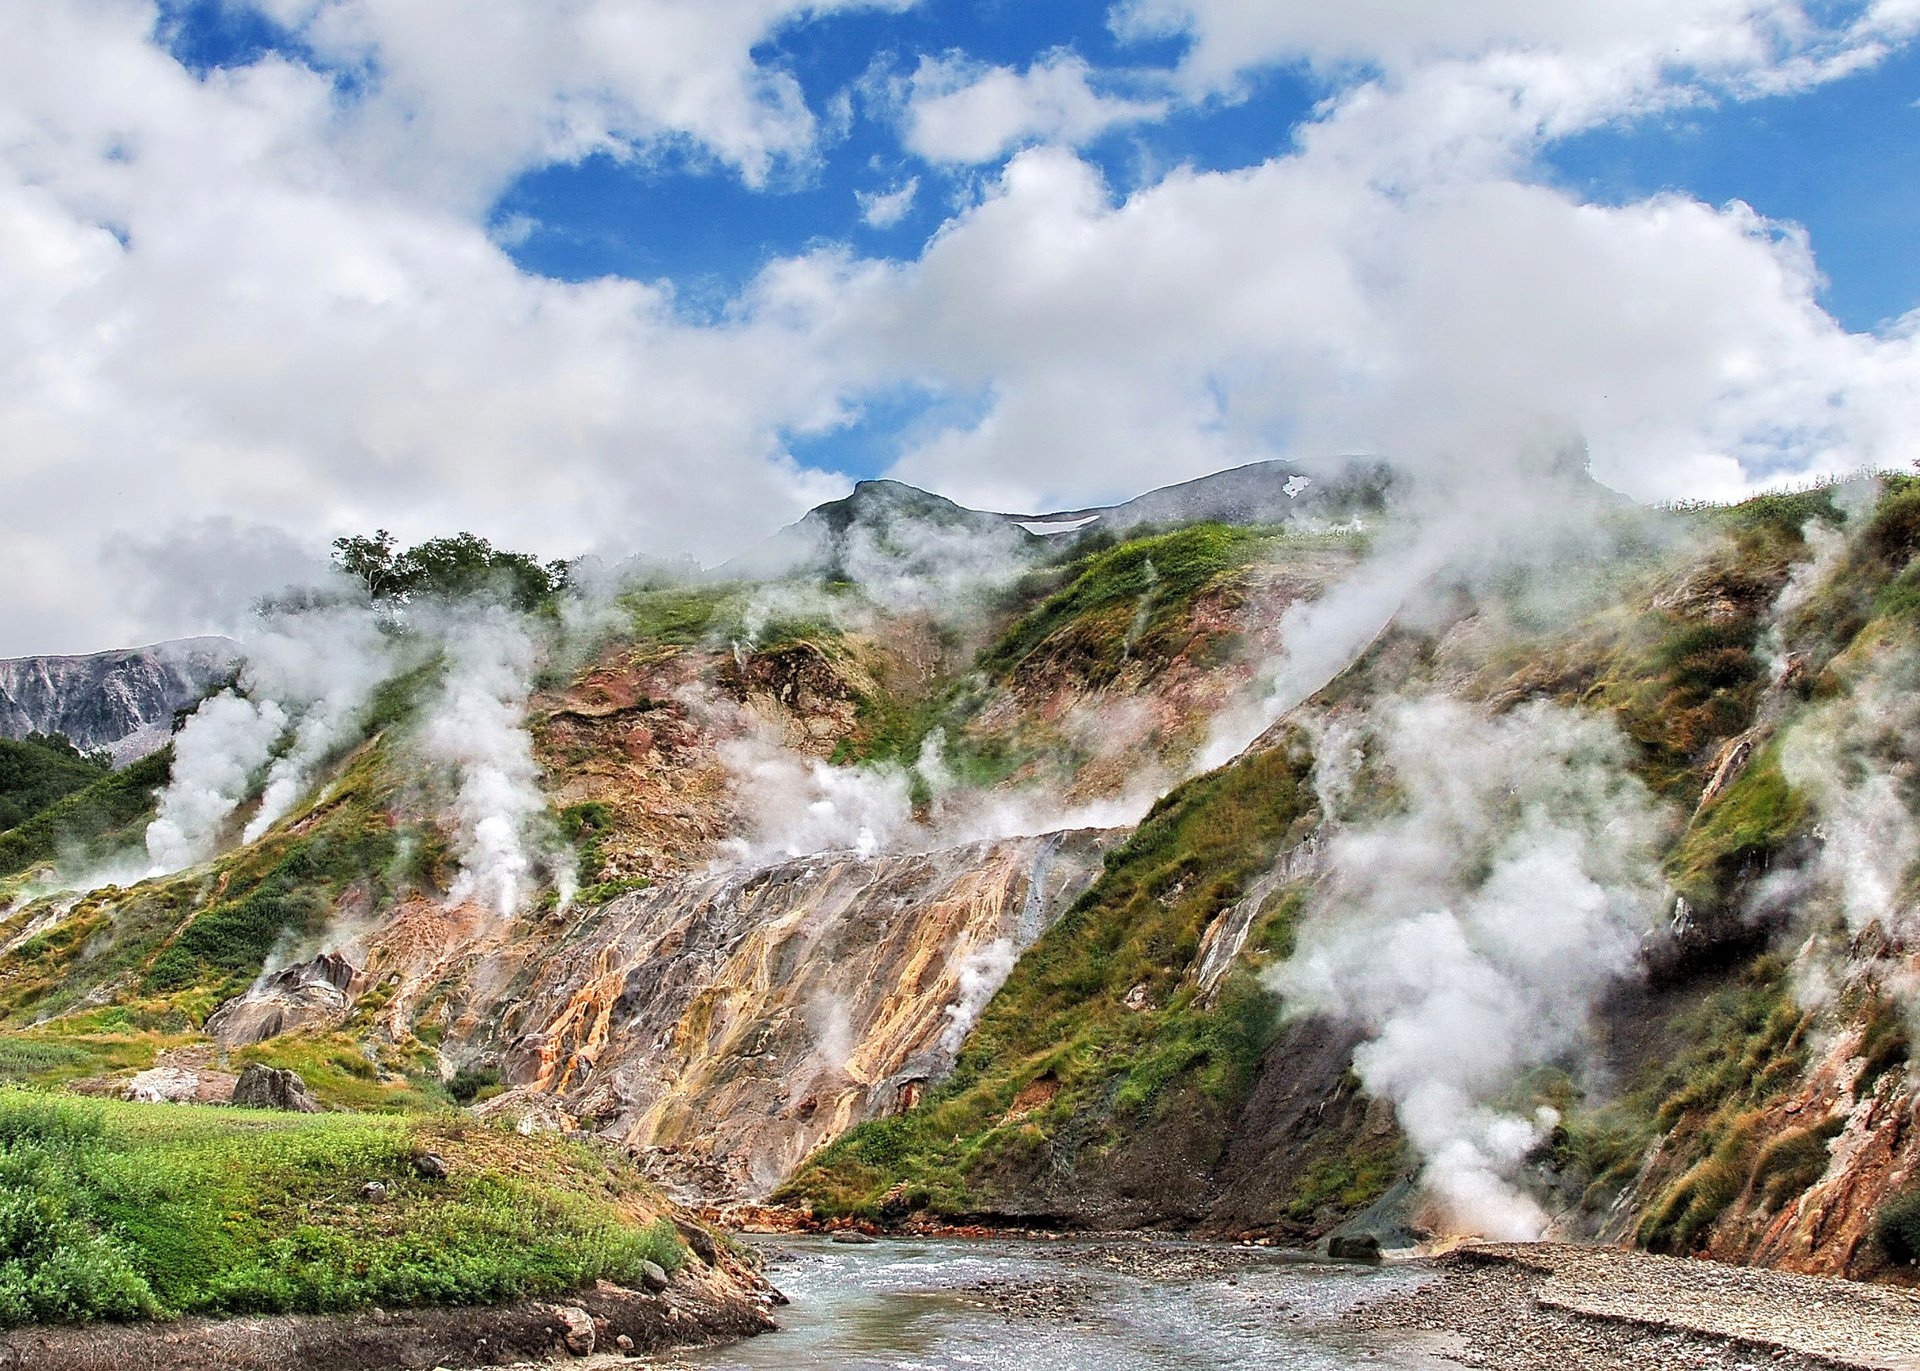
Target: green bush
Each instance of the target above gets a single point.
(1896, 1226)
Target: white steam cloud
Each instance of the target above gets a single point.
(797, 806)
(1857, 759)
(323, 667)
(309, 673)
(1469, 934)
(216, 759)
(477, 726)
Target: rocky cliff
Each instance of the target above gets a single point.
(122, 702)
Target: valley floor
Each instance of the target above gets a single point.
(1532, 1307)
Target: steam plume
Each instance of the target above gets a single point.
(477, 727)
(1470, 934)
(216, 758)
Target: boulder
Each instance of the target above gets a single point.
(179, 1085)
(1354, 1247)
(653, 1276)
(576, 1329)
(699, 1241)
(270, 1087)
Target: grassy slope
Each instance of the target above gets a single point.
(1062, 1020)
(196, 937)
(104, 814)
(38, 772)
(1682, 678)
(1743, 1046)
(116, 1210)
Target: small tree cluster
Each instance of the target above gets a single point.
(462, 566)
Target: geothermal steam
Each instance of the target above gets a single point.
(1470, 933)
(477, 728)
(308, 676)
(1856, 759)
(215, 759)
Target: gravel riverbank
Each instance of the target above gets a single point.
(1548, 1307)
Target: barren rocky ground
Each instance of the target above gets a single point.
(1521, 1307)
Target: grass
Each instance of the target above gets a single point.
(1128, 600)
(37, 772)
(1348, 1178)
(1059, 1064)
(113, 1210)
(103, 815)
(1739, 832)
(1745, 1045)
(1875, 577)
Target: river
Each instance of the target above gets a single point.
(1076, 1305)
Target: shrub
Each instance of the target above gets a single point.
(1896, 1226)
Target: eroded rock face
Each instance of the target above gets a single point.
(122, 701)
(730, 1024)
(310, 995)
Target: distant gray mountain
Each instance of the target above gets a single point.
(899, 524)
(121, 701)
(1272, 492)
(883, 526)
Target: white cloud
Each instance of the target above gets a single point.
(241, 299)
(1302, 307)
(960, 111)
(279, 341)
(1635, 47)
(459, 96)
(884, 209)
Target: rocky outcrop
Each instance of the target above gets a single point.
(121, 701)
(310, 995)
(725, 1026)
(270, 1087)
(706, 1305)
(177, 1084)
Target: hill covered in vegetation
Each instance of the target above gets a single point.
(1273, 880)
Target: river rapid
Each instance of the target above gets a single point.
(1078, 1305)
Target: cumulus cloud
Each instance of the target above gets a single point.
(457, 97)
(1633, 46)
(884, 209)
(270, 295)
(212, 312)
(962, 111)
(1310, 309)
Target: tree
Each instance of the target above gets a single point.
(370, 561)
(462, 566)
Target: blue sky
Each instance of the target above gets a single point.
(623, 275)
(1843, 160)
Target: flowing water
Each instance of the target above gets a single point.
(1074, 1305)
